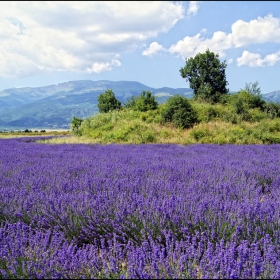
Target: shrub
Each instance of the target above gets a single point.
(144, 102)
(274, 125)
(147, 137)
(256, 115)
(179, 111)
(248, 100)
(272, 110)
(200, 133)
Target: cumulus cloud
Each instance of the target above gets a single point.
(77, 36)
(255, 60)
(103, 66)
(191, 46)
(230, 61)
(257, 31)
(153, 49)
(193, 7)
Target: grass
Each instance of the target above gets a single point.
(220, 132)
(5, 135)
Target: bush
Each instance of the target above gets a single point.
(272, 110)
(145, 102)
(251, 96)
(248, 100)
(200, 133)
(256, 115)
(179, 111)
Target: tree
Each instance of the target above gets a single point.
(252, 88)
(179, 111)
(75, 125)
(131, 102)
(144, 102)
(206, 75)
(108, 102)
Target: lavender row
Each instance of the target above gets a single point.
(139, 194)
(28, 253)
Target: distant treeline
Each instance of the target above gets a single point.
(21, 131)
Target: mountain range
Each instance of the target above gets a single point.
(53, 106)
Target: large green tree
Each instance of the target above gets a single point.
(107, 101)
(206, 75)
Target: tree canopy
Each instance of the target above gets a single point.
(107, 101)
(75, 125)
(206, 75)
(252, 88)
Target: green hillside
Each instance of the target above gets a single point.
(216, 123)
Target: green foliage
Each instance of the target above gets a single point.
(108, 102)
(207, 112)
(179, 111)
(120, 126)
(272, 110)
(239, 118)
(144, 102)
(250, 100)
(252, 88)
(247, 106)
(200, 133)
(75, 125)
(131, 103)
(206, 75)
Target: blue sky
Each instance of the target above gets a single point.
(45, 43)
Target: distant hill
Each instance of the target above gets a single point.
(273, 96)
(54, 106)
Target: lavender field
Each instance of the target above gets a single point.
(139, 211)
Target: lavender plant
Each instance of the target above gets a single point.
(139, 211)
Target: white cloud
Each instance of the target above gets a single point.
(153, 49)
(258, 31)
(230, 61)
(77, 36)
(190, 46)
(255, 60)
(193, 7)
(99, 67)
